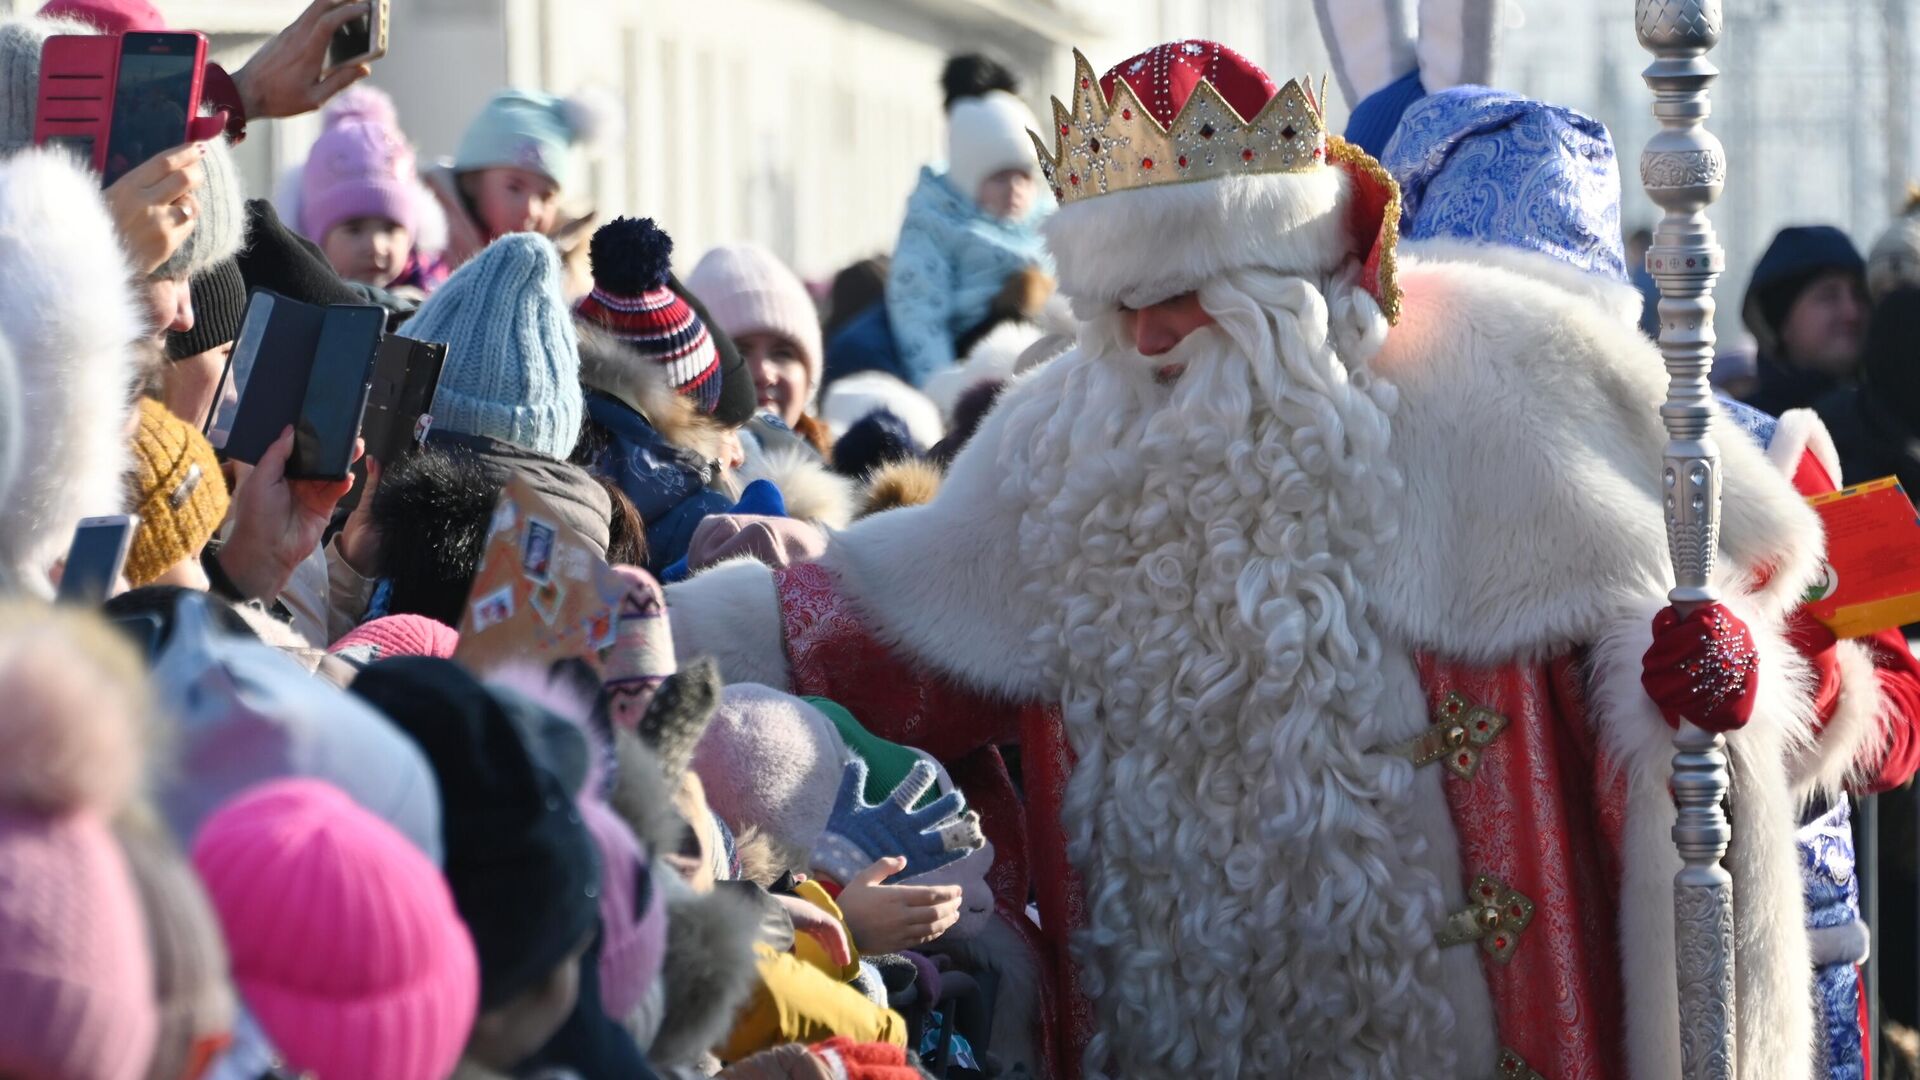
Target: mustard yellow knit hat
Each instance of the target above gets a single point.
(177, 491)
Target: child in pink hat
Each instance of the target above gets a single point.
(346, 944)
(76, 979)
(361, 198)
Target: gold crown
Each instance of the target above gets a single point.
(1102, 146)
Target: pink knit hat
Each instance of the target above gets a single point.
(397, 635)
(361, 166)
(76, 980)
(633, 914)
(748, 290)
(642, 654)
(346, 945)
(773, 762)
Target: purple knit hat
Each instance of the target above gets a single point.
(76, 979)
(361, 166)
(346, 945)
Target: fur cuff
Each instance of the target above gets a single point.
(1855, 738)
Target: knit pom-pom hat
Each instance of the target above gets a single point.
(346, 944)
(75, 973)
(361, 166)
(526, 129)
(177, 491)
(632, 301)
(513, 359)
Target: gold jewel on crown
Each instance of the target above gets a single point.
(1101, 147)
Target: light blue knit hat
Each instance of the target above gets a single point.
(513, 361)
(530, 130)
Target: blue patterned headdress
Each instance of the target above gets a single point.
(1493, 167)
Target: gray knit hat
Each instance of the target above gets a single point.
(222, 223)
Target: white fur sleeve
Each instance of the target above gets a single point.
(732, 613)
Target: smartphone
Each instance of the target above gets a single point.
(156, 95)
(336, 392)
(96, 557)
(75, 101)
(361, 41)
(231, 423)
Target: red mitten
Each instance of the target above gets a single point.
(1702, 669)
(864, 1061)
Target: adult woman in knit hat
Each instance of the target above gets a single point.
(765, 309)
(180, 496)
(75, 972)
(1807, 307)
(346, 944)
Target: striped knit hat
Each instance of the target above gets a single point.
(631, 300)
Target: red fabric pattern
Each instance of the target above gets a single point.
(832, 654)
(1534, 817)
(1701, 668)
(1164, 77)
(866, 1061)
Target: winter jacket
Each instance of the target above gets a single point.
(666, 483)
(948, 266)
(804, 997)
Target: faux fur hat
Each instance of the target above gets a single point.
(191, 985)
(74, 327)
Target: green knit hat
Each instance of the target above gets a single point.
(887, 762)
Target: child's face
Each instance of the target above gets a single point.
(369, 250)
(1007, 194)
(779, 374)
(512, 200)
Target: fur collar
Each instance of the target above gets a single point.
(812, 492)
(1529, 437)
(909, 482)
(613, 369)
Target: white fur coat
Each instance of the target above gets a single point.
(1528, 436)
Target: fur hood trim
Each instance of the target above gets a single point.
(611, 368)
(1526, 538)
(1617, 297)
(909, 482)
(812, 491)
(995, 357)
(1143, 245)
(708, 973)
(75, 328)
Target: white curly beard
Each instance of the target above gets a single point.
(1256, 905)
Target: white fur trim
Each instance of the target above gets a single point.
(993, 357)
(858, 396)
(1529, 436)
(810, 491)
(732, 613)
(1776, 1016)
(1855, 738)
(1144, 245)
(1801, 432)
(1618, 297)
(74, 324)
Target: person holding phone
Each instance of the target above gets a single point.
(180, 496)
(189, 383)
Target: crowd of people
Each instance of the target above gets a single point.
(843, 779)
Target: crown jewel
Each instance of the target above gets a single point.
(1111, 141)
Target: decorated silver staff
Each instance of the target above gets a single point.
(1683, 170)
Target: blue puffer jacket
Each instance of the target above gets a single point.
(667, 484)
(949, 264)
